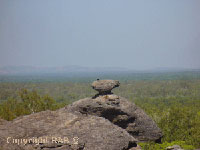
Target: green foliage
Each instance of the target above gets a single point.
(181, 123)
(29, 102)
(8, 109)
(164, 145)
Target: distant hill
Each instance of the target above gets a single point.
(72, 70)
(27, 70)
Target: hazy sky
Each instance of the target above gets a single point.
(136, 34)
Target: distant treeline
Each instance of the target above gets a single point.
(89, 77)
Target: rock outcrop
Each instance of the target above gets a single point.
(105, 86)
(61, 130)
(104, 122)
(174, 147)
(122, 113)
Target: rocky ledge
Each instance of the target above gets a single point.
(104, 122)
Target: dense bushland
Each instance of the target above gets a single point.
(29, 102)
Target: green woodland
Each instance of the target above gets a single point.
(174, 104)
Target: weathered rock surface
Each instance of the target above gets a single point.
(104, 122)
(72, 131)
(174, 147)
(105, 86)
(2, 121)
(122, 113)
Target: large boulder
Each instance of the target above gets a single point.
(61, 130)
(105, 86)
(104, 122)
(122, 113)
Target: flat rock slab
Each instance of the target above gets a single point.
(63, 130)
(105, 86)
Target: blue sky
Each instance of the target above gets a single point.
(135, 34)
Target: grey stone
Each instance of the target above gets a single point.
(105, 86)
(93, 132)
(104, 122)
(174, 147)
(122, 113)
